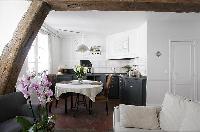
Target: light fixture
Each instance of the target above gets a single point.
(82, 47)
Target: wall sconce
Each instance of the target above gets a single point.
(95, 50)
(158, 54)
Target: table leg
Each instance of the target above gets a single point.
(90, 106)
(72, 101)
(76, 104)
(66, 104)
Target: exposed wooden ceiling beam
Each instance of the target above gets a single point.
(126, 5)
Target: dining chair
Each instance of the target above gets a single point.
(104, 97)
(52, 79)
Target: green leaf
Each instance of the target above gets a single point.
(26, 124)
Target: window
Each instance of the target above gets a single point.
(38, 56)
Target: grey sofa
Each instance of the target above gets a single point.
(12, 105)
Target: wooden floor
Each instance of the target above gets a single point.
(98, 121)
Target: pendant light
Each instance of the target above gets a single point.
(82, 47)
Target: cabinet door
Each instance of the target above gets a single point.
(121, 89)
(118, 46)
(114, 88)
(133, 91)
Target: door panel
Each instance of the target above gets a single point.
(183, 68)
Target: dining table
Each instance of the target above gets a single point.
(87, 88)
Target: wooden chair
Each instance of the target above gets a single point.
(52, 79)
(104, 97)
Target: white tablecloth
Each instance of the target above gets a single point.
(86, 89)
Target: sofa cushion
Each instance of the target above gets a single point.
(10, 104)
(172, 113)
(191, 122)
(138, 116)
(118, 128)
(12, 125)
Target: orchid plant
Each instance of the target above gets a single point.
(36, 84)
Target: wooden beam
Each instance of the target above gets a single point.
(16, 50)
(126, 5)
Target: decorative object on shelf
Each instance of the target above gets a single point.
(158, 54)
(62, 69)
(128, 68)
(36, 85)
(136, 73)
(95, 50)
(80, 72)
(82, 47)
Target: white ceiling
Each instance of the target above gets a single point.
(108, 22)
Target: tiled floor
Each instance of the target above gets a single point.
(98, 121)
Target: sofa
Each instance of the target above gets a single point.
(12, 105)
(177, 114)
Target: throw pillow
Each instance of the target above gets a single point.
(138, 116)
(191, 122)
(172, 113)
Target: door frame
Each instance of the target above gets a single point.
(171, 64)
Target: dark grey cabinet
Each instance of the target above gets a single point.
(65, 77)
(114, 88)
(133, 91)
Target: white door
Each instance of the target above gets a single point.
(183, 73)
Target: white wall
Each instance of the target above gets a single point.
(158, 35)
(100, 64)
(71, 58)
(11, 12)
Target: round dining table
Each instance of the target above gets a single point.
(87, 88)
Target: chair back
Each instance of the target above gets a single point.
(108, 83)
(52, 79)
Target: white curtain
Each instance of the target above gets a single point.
(54, 53)
(50, 42)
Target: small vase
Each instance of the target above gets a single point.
(80, 80)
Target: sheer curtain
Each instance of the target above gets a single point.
(50, 42)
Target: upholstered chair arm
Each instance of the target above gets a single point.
(25, 110)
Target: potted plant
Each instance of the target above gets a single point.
(128, 68)
(80, 72)
(39, 86)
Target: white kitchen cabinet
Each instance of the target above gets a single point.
(121, 45)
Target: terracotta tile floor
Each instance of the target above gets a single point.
(98, 121)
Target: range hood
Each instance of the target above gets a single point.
(123, 58)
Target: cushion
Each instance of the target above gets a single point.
(10, 103)
(191, 122)
(138, 116)
(172, 113)
(12, 125)
(117, 128)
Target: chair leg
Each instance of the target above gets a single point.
(107, 107)
(56, 103)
